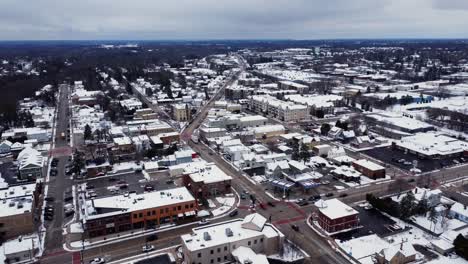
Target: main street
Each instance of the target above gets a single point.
(58, 185)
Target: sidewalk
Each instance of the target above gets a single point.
(317, 229)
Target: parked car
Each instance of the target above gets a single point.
(233, 213)
(295, 228)
(147, 248)
(49, 199)
(329, 194)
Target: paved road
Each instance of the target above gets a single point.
(315, 246)
(58, 184)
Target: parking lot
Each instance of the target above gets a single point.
(372, 222)
(404, 160)
(127, 182)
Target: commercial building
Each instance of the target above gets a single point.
(16, 210)
(336, 216)
(273, 107)
(288, 85)
(124, 212)
(181, 112)
(218, 243)
(268, 131)
(389, 124)
(21, 250)
(209, 181)
(433, 145)
(325, 104)
(369, 169)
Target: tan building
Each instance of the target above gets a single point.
(181, 112)
(217, 243)
(16, 210)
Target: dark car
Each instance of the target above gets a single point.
(295, 228)
(233, 213)
(242, 196)
(69, 213)
(329, 195)
(271, 204)
(68, 198)
(152, 237)
(49, 217)
(343, 195)
(49, 199)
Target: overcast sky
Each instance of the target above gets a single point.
(233, 19)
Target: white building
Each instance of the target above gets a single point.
(285, 111)
(433, 145)
(217, 243)
(30, 163)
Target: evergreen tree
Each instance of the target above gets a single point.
(88, 134)
(304, 154)
(407, 206)
(461, 246)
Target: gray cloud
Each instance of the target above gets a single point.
(218, 19)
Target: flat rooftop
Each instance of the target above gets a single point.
(335, 208)
(224, 233)
(117, 204)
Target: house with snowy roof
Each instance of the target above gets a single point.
(30, 164)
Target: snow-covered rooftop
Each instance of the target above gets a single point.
(335, 208)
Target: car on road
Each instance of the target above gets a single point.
(97, 261)
(343, 195)
(49, 199)
(147, 248)
(329, 194)
(242, 196)
(204, 222)
(68, 198)
(48, 217)
(314, 198)
(152, 237)
(271, 204)
(262, 206)
(295, 228)
(233, 213)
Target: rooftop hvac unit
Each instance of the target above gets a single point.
(229, 232)
(206, 236)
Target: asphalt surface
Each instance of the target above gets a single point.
(59, 184)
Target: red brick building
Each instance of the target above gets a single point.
(208, 182)
(369, 169)
(337, 216)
